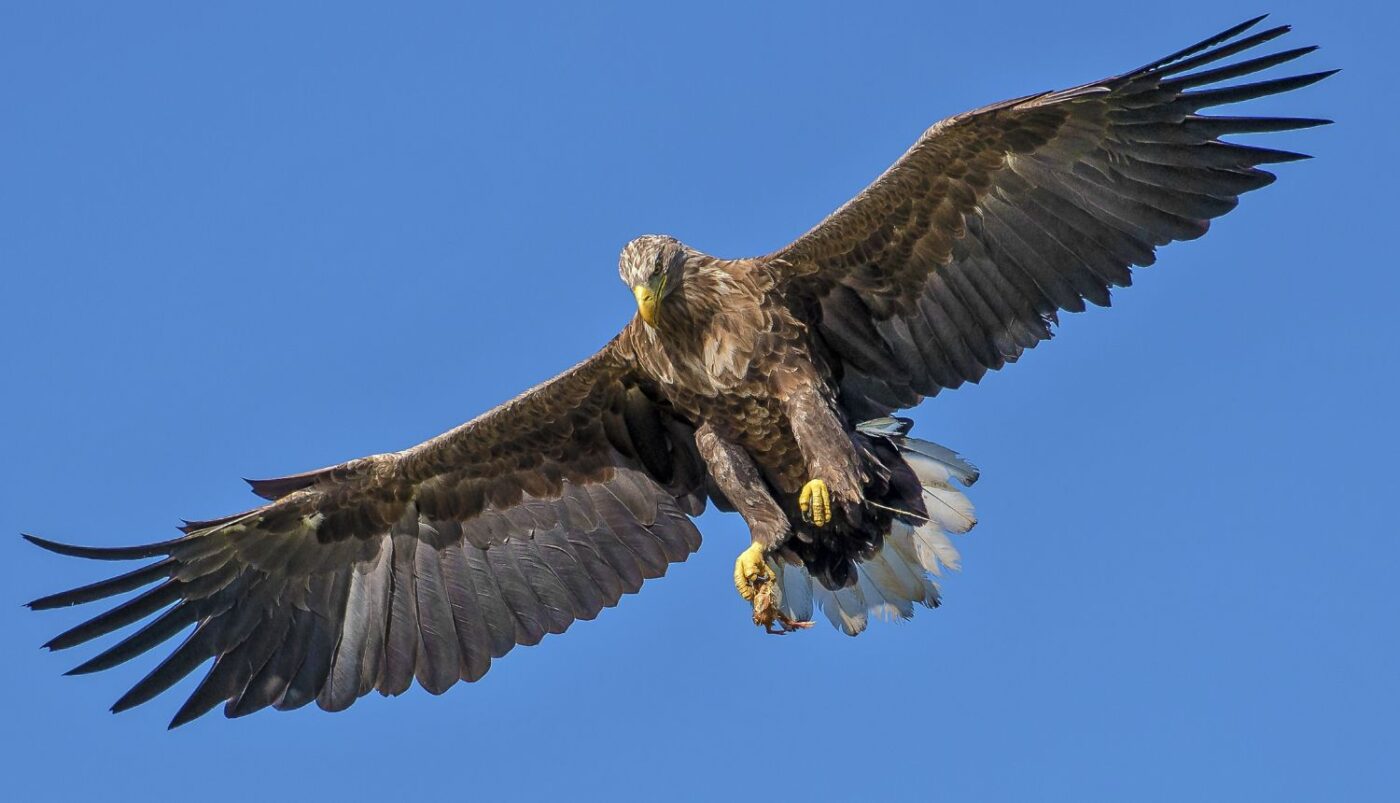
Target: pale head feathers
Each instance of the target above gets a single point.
(649, 256)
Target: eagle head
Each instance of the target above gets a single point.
(652, 266)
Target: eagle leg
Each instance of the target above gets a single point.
(738, 479)
(830, 454)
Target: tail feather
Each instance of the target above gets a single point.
(898, 595)
(934, 547)
(795, 586)
(846, 607)
(936, 463)
(949, 509)
(882, 602)
(894, 577)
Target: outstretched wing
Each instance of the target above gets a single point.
(428, 562)
(960, 256)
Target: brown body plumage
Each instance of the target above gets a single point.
(764, 385)
(730, 353)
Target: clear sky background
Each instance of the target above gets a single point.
(253, 240)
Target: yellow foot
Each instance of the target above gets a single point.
(752, 570)
(815, 502)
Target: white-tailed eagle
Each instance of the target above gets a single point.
(764, 385)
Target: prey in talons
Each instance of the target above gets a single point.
(756, 580)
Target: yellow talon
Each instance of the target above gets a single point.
(751, 569)
(815, 502)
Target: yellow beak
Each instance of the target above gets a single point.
(647, 303)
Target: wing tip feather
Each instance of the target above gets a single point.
(100, 553)
(1209, 42)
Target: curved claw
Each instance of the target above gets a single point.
(815, 502)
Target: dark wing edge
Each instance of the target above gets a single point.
(962, 254)
(425, 563)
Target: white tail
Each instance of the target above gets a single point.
(888, 584)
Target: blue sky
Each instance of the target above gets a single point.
(250, 242)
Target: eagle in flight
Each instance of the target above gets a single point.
(764, 385)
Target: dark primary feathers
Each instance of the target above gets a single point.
(429, 563)
(961, 255)
(426, 563)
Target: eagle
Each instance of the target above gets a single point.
(767, 386)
